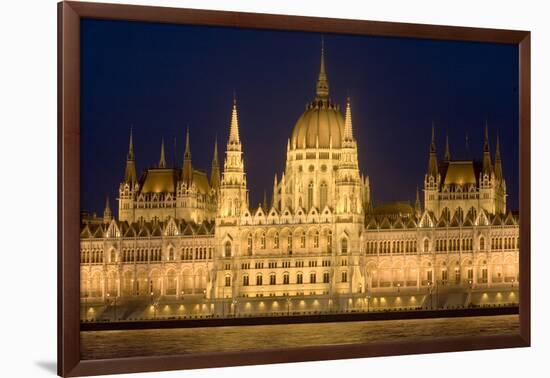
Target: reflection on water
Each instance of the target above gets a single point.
(111, 344)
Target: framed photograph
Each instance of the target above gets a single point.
(239, 188)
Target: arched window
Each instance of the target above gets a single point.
(276, 241)
(344, 246)
(249, 245)
(482, 243)
(227, 249)
(316, 239)
(259, 280)
(262, 241)
(310, 196)
(329, 242)
(170, 254)
(426, 246)
(289, 242)
(303, 240)
(323, 196)
(113, 256)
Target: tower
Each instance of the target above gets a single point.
(215, 172)
(187, 170)
(233, 198)
(432, 179)
(348, 181)
(107, 214)
(129, 186)
(162, 160)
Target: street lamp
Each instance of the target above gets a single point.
(398, 287)
(235, 302)
(513, 282)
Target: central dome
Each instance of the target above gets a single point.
(320, 122)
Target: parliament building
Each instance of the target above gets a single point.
(190, 243)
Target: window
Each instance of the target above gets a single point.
(312, 278)
(323, 196)
(276, 241)
(329, 242)
(262, 241)
(444, 275)
(326, 277)
(272, 279)
(286, 279)
(299, 264)
(249, 245)
(171, 255)
(344, 276)
(289, 242)
(484, 275)
(259, 280)
(426, 245)
(344, 248)
(470, 274)
(316, 239)
(227, 249)
(310, 196)
(245, 281)
(482, 243)
(113, 256)
(299, 278)
(457, 275)
(227, 280)
(303, 240)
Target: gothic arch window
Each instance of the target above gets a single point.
(113, 255)
(303, 239)
(344, 246)
(482, 243)
(289, 242)
(446, 214)
(426, 245)
(460, 214)
(227, 249)
(310, 196)
(262, 241)
(171, 254)
(329, 242)
(249, 244)
(323, 195)
(276, 241)
(316, 239)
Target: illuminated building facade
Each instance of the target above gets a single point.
(182, 236)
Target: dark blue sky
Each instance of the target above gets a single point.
(160, 78)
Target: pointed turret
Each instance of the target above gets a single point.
(130, 170)
(275, 197)
(234, 137)
(498, 161)
(447, 156)
(487, 165)
(348, 128)
(432, 163)
(187, 174)
(215, 173)
(107, 214)
(417, 208)
(162, 161)
(322, 81)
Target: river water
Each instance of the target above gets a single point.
(162, 342)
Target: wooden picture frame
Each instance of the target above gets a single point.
(69, 16)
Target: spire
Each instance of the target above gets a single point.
(215, 173)
(234, 137)
(130, 155)
(162, 161)
(187, 164)
(107, 214)
(498, 161)
(322, 81)
(487, 165)
(130, 170)
(447, 150)
(348, 128)
(432, 163)
(417, 208)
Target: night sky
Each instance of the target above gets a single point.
(160, 78)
